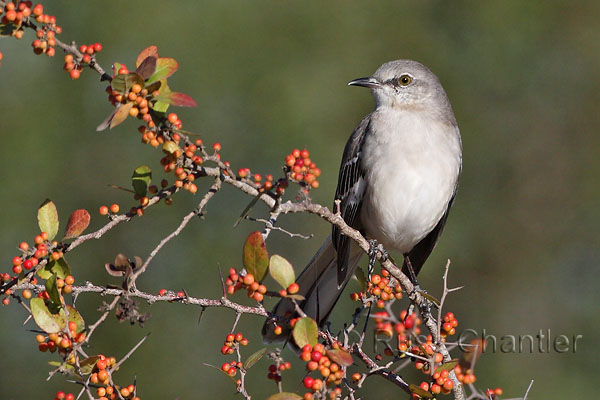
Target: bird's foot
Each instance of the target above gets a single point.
(376, 248)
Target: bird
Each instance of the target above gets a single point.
(397, 181)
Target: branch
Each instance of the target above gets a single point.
(150, 298)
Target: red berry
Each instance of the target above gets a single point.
(172, 118)
(103, 210)
(217, 147)
(74, 74)
(308, 382)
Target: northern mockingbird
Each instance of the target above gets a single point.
(397, 181)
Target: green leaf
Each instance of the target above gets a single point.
(69, 368)
(47, 321)
(160, 106)
(298, 297)
(362, 279)
(417, 390)
(78, 222)
(170, 147)
(449, 366)
(76, 317)
(122, 83)
(256, 258)
(165, 67)
(282, 271)
(48, 218)
(140, 180)
(430, 298)
(7, 30)
(341, 357)
(55, 304)
(116, 67)
(161, 102)
(150, 51)
(254, 358)
(284, 396)
(58, 267)
(87, 365)
(305, 332)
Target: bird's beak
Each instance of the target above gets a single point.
(369, 82)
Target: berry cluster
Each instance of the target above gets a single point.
(165, 292)
(275, 371)
(62, 341)
(101, 375)
(302, 169)
(15, 15)
(442, 384)
(231, 344)
(236, 281)
(232, 341)
(467, 376)
(382, 287)
(493, 393)
(137, 95)
(258, 180)
(231, 368)
(60, 395)
(30, 257)
(74, 66)
(332, 373)
(449, 325)
(104, 210)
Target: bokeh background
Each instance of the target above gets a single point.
(268, 76)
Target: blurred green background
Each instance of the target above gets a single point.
(268, 76)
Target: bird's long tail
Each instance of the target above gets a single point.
(319, 287)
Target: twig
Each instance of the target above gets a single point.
(198, 211)
(129, 353)
(528, 389)
(269, 226)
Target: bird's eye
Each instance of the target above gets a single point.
(404, 80)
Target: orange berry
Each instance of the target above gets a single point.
(293, 288)
(172, 117)
(74, 74)
(103, 210)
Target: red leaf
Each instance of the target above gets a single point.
(151, 51)
(256, 258)
(340, 356)
(147, 67)
(78, 222)
(181, 100)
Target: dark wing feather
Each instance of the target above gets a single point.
(350, 191)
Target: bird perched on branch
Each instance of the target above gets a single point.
(397, 181)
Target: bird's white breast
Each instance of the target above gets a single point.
(412, 165)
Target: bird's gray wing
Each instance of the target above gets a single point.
(350, 190)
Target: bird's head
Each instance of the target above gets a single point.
(405, 85)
